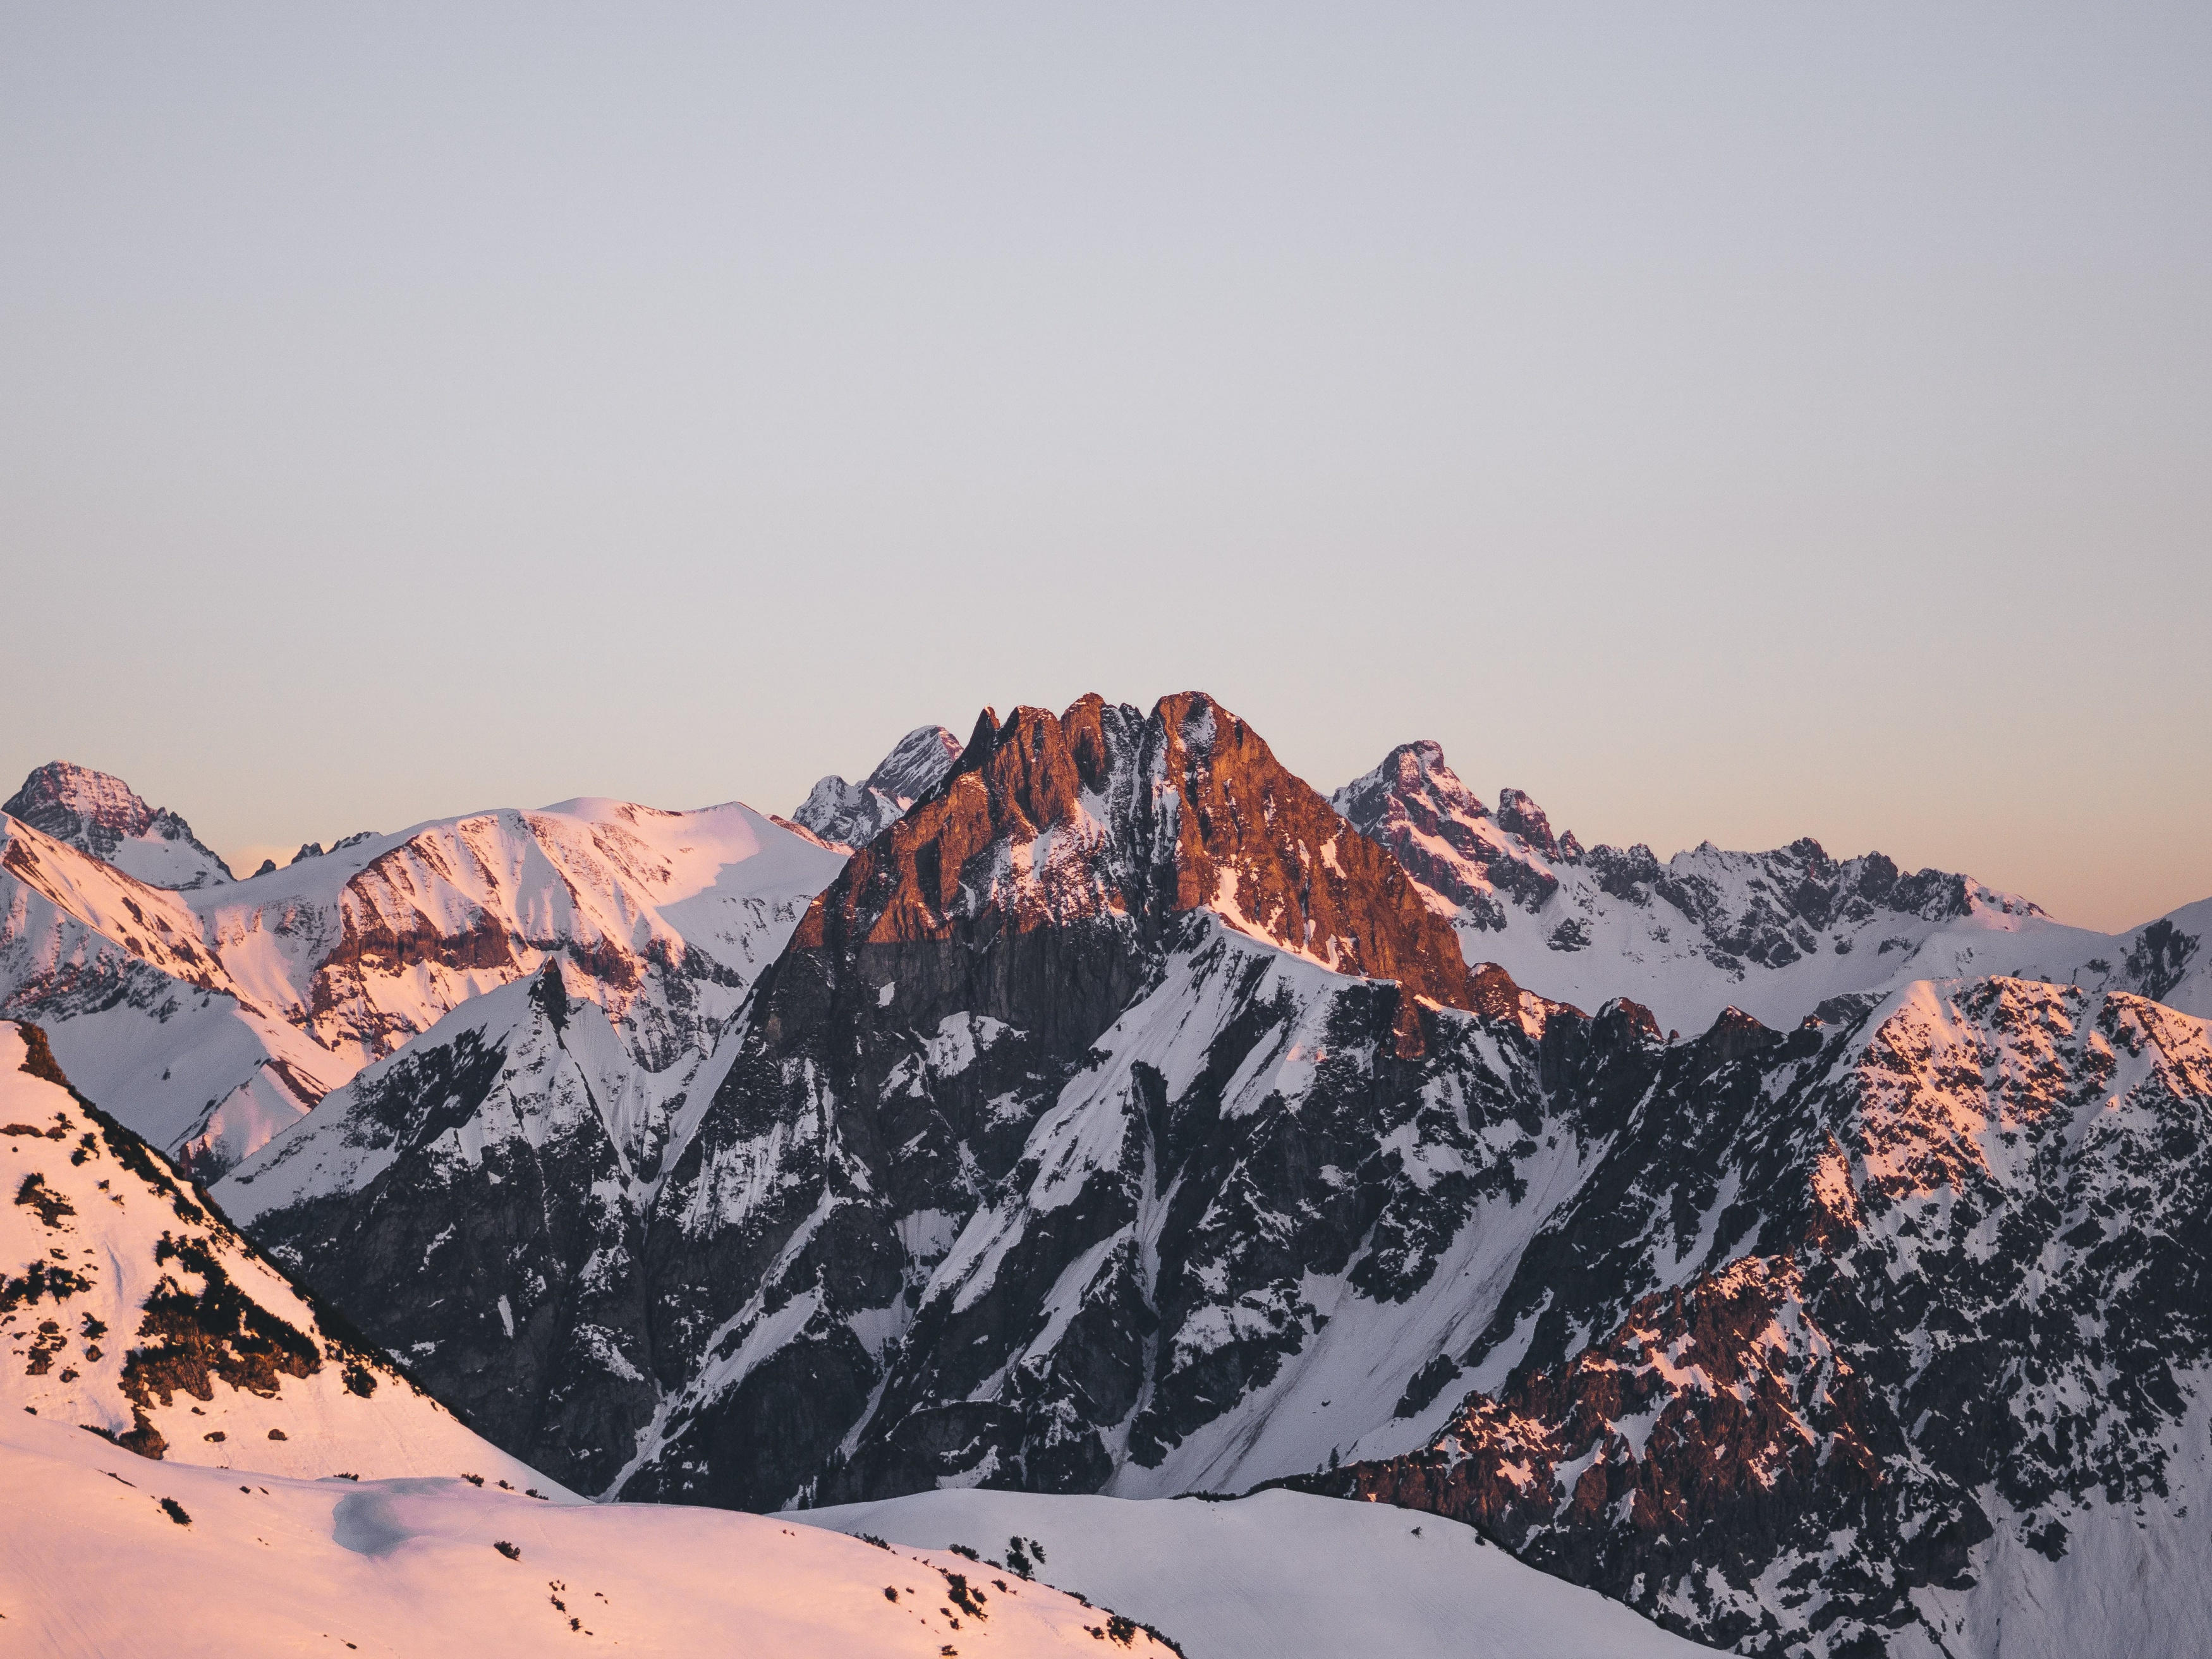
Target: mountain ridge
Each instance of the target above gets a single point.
(1776, 932)
(1124, 1116)
(292, 980)
(98, 1256)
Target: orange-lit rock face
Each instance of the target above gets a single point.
(1100, 812)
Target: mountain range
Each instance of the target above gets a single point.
(1801, 1251)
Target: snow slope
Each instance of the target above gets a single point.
(129, 1306)
(1281, 1575)
(263, 1564)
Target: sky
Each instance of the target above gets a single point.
(1729, 423)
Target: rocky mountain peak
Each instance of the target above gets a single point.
(1517, 815)
(1105, 813)
(1735, 1034)
(59, 796)
(100, 814)
(1448, 840)
(1411, 781)
(917, 764)
(853, 814)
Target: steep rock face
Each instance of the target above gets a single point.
(130, 1307)
(1888, 1354)
(919, 1053)
(288, 983)
(1776, 934)
(1224, 1238)
(849, 815)
(103, 815)
(1105, 816)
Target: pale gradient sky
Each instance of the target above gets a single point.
(1721, 422)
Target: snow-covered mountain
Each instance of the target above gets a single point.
(1775, 933)
(141, 1007)
(1890, 1336)
(478, 1199)
(103, 815)
(970, 1028)
(1266, 1578)
(849, 815)
(290, 1488)
(130, 1307)
(664, 918)
(117, 1558)
(1121, 1120)
(212, 1019)
(1123, 1116)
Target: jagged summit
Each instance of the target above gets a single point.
(1777, 932)
(1472, 861)
(103, 815)
(847, 815)
(313, 849)
(1105, 813)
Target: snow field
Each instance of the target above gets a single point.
(93, 1564)
(1280, 1575)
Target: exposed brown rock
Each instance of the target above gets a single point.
(1096, 813)
(217, 1333)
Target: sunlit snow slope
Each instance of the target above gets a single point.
(128, 1305)
(210, 1021)
(1280, 1576)
(121, 1558)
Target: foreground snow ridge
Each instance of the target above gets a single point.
(129, 1306)
(121, 1557)
(1280, 1576)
